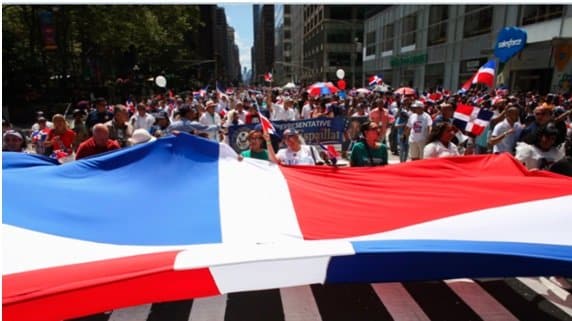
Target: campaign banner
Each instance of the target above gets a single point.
(510, 41)
(315, 131)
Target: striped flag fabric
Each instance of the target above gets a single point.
(485, 216)
(267, 126)
(471, 119)
(268, 77)
(485, 75)
(375, 80)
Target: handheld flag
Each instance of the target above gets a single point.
(267, 126)
(485, 75)
(268, 77)
(375, 80)
(219, 90)
(331, 152)
(471, 119)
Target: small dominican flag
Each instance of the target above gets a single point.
(331, 152)
(471, 119)
(219, 90)
(267, 126)
(375, 80)
(268, 77)
(485, 75)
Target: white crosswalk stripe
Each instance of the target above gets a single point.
(480, 301)
(399, 302)
(301, 304)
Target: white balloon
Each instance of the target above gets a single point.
(340, 73)
(160, 81)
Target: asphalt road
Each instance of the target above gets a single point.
(526, 299)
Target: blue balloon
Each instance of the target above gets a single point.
(510, 41)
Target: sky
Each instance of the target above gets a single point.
(239, 16)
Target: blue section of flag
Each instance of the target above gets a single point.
(161, 193)
(485, 114)
(408, 260)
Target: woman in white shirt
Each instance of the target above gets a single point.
(543, 152)
(296, 152)
(440, 144)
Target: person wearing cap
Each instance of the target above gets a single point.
(78, 126)
(36, 126)
(211, 118)
(162, 122)
(369, 151)
(13, 141)
(296, 151)
(141, 136)
(141, 119)
(100, 115)
(119, 127)
(417, 130)
(188, 122)
(284, 111)
(446, 112)
(98, 143)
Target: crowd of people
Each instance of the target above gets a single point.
(534, 128)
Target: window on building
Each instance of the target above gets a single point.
(370, 42)
(339, 59)
(339, 36)
(437, 31)
(534, 14)
(478, 20)
(340, 12)
(287, 34)
(387, 41)
(408, 29)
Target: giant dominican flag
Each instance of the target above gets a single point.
(485, 75)
(97, 235)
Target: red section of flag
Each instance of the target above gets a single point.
(364, 201)
(268, 77)
(90, 288)
(267, 126)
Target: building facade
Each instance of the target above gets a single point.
(263, 53)
(425, 46)
(283, 67)
(332, 38)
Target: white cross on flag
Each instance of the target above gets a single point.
(471, 119)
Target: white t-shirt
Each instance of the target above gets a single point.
(208, 119)
(506, 144)
(534, 158)
(419, 125)
(145, 122)
(280, 113)
(306, 111)
(301, 157)
(436, 149)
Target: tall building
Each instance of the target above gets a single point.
(425, 46)
(202, 42)
(283, 67)
(333, 35)
(297, 29)
(263, 23)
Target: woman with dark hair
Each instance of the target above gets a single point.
(13, 141)
(543, 151)
(439, 142)
(369, 151)
(256, 150)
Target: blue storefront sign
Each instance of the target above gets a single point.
(510, 41)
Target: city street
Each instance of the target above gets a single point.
(527, 298)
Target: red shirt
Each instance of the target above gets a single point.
(89, 148)
(66, 139)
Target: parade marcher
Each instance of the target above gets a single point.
(446, 114)
(79, 127)
(439, 142)
(369, 151)
(119, 127)
(13, 141)
(141, 119)
(159, 129)
(402, 140)
(417, 130)
(98, 143)
(188, 122)
(505, 134)
(60, 138)
(255, 143)
(211, 118)
(141, 136)
(543, 151)
(380, 116)
(39, 137)
(296, 151)
(252, 117)
(542, 115)
(283, 111)
(36, 125)
(100, 115)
